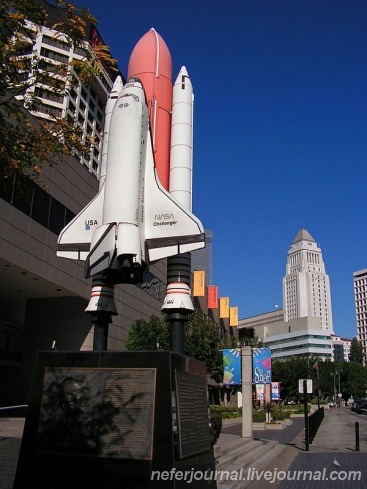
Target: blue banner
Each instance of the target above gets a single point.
(261, 366)
(275, 391)
(231, 367)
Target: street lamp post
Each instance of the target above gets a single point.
(339, 394)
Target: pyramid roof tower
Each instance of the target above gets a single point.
(303, 235)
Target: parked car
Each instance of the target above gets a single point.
(354, 405)
(362, 407)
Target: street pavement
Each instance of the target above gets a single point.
(11, 431)
(331, 462)
(328, 463)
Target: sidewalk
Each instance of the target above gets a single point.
(11, 431)
(333, 449)
(331, 455)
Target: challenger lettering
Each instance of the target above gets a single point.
(164, 220)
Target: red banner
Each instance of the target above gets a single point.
(212, 296)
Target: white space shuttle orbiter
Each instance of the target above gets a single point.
(133, 220)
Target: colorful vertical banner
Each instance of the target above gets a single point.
(231, 367)
(275, 391)
(260, 392)
(212, 296)
(224, 307)
(261, 366)
(233, 316)
(199, 283)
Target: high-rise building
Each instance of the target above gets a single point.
(304, 325)
(360, 300)
(340, 348)
(306, 285)
(42, 297)
(81, 102)
(202, 259)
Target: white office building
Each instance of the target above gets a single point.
(299, 337)
(306, 286)
(304, 325)
(340, 348)
(80, 102)
(360, 300)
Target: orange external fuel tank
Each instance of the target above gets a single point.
(151, 61)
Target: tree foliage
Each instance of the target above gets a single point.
(202, 340)
(149, 335)
(356, 351)
(349, 377)
(353, 380)
(26, 146)
(289, 372)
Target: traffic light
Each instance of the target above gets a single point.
(245, 334)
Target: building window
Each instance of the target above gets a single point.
(32, 200)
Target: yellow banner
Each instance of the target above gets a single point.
(199, 283)
(224, 307)
(233, 316)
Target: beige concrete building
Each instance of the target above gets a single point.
(42, 297)
(360, 301)
(306, 285)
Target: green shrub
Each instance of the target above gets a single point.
(301, 410)
(258, 417)
(226, 411)
(279, 414)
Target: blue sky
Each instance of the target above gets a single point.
(280, 132)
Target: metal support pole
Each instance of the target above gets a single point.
(177, 319)
(307, 431)
(178, 303)
(100, 337)
(246, 366)
(101, 308)
(357, 435)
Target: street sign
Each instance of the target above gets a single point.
(308, 386)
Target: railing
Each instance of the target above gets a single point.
(314, 421)
(13, 411)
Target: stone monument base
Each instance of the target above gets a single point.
(113, 420)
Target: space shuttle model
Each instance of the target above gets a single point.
(135, 219)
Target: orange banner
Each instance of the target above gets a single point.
(199, 283)
(224, 307)
(212, 296)
(233, 316)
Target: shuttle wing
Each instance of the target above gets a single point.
(169, 228)
(75, 239)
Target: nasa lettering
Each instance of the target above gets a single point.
(165, 220)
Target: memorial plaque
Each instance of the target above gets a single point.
(192, 414)
(102, 412)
